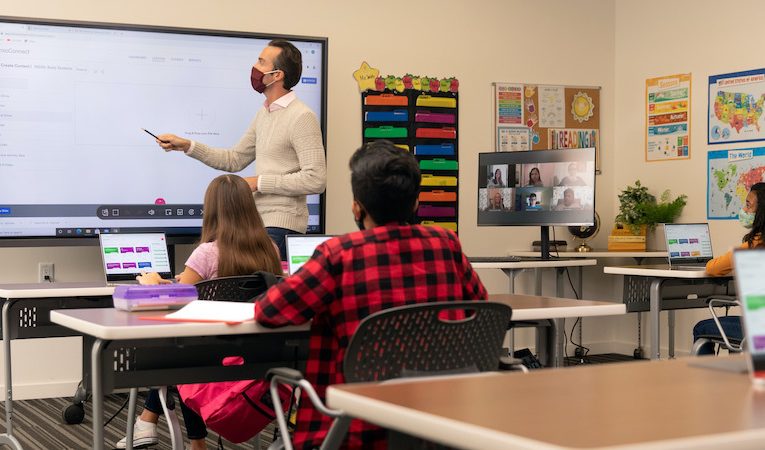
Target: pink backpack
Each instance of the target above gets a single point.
(236, 410)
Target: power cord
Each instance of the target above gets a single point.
(570, 338)
(124, 404)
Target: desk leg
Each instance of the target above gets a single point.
(537, 281)
(655, 301)
(555, 341)
(97, 391)
(7, 437)
(671, 333)
(511, 274)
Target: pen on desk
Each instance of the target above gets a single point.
(155, 136)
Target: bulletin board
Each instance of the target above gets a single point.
(539, 116)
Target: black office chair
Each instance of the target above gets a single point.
(242, 288)
(722, 340)
(411, 340)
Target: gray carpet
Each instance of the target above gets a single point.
(38, 425)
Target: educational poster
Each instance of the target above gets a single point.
(513, 139)
(554, 116)
(509, 101)
(735, 107)
(730, 174)
(552, 107)
(668, 118)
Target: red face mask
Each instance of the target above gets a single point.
(256, 79)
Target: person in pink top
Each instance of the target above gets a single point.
(233, 242)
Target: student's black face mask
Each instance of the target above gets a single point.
(360, 220)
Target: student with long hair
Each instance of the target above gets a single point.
(752, 217)
(234, 242)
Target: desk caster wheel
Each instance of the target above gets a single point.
(74, 414)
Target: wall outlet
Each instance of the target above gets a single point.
(45, 272)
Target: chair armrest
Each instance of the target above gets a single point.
(286, 375)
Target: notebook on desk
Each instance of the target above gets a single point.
(689, 245)
(300, 248)
(750, 286)
(127, 255)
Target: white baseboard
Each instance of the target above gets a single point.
(31, 391)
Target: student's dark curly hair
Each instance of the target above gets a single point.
(385, 179)
(758, 227)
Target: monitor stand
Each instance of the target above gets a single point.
(545, 242)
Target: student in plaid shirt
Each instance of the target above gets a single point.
(388, 263)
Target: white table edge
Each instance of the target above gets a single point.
(541, 264)
(13, 294)
(654, 272)
(595, 254)
(564, 312)
(157, 329)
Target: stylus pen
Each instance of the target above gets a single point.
(155, 136)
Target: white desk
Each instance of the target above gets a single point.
(659, 276)
(512, 268)
(537, 308)
(127, 352)
(628, 406)
(596, 254)
(29, 304)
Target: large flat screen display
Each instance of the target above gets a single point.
(74, 98)
(538, 187)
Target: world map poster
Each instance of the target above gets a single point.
(735, 107)
(730, 174)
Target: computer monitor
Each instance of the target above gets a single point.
(537, 188)
(76, 96)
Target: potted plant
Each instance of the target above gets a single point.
(640, 212)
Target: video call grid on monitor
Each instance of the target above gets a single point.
(540, 187)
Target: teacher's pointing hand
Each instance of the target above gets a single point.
(172, 142)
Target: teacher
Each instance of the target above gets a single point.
(284, 137)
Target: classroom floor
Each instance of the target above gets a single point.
(38, 425)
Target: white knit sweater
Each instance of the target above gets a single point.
(290, 162)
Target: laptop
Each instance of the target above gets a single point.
(300, 248)
(750, 286)
(689, 245)
(127, 255)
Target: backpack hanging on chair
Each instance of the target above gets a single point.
(236, 410)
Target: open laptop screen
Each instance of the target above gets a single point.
(688, 242)
(300, 247)
(749, 267)
(125, 256)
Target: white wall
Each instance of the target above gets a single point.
(547, 42)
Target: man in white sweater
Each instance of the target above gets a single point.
(284, 137)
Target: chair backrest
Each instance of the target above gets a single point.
(235, 289)
(417, 339)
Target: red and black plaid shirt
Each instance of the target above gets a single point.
(349, 278)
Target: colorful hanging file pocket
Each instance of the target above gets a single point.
(438, 164)
(435, 180)
(448, 225)
(434, 150)
(437, 133)
(386, 100)
(436, 211)
(438, 196)
(438, 102)
(385, 132)
(397, 115)
(427, 116)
